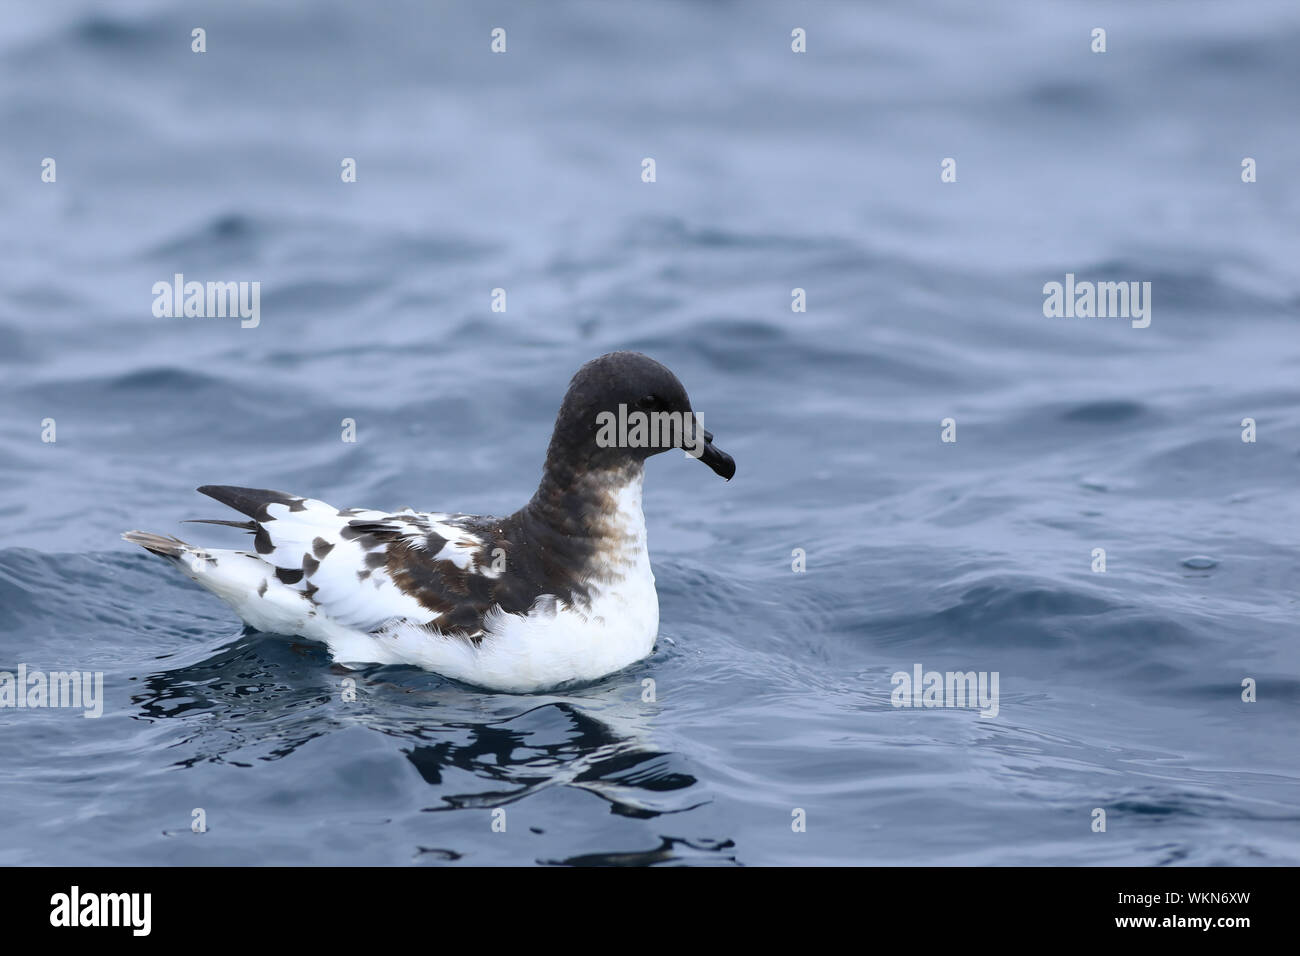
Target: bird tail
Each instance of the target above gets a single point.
(165, 546)
(244, 581)
(198, 563)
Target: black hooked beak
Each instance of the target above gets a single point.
(717, 459)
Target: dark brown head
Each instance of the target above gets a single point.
(624, 407)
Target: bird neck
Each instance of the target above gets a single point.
(596, 504)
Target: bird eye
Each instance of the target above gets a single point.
(648, 401)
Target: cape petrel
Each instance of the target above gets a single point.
(558, 592)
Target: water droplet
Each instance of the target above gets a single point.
(1199, 562)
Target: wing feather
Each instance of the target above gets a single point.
(370, 569)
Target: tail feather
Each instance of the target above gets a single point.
(244, 581)
(165, 546)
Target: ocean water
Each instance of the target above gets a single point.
(1118, 690)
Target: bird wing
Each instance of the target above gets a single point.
(367, 569)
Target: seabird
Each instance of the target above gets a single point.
(559, 592)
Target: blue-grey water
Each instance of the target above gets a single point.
(1120, 690)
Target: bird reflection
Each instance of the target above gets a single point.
(261, 698)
